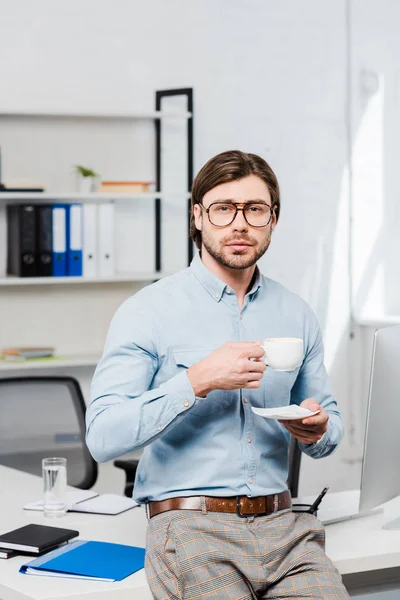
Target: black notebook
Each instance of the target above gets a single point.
(7, 553)
(36, 538)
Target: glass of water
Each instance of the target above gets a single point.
(55, 486)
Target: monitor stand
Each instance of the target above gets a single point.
(343, 513)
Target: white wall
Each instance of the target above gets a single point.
(269, 78)
(375, 118)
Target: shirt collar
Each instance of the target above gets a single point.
(214, 286)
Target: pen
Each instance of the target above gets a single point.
(317, 502)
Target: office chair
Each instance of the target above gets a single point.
(43, 417)
(130, 466)
(294, 467)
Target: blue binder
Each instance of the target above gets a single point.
(102, 561)
(59, 254)
(74, 240)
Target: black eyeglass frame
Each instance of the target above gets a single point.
(236, 205)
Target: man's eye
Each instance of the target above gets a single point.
(223, 208)
(257, 208)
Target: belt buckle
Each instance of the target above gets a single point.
(239, 510)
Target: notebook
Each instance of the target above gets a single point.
(36, 538)
(82, 559)
(105, 504)
(7, 553)
(73, 497)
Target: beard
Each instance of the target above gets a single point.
(236, 260)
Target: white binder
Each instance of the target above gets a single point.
(106, 245)
(90, 250)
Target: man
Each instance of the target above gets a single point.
(180, 373)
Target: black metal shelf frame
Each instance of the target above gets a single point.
(160, 95)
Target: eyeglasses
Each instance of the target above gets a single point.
(256, 214)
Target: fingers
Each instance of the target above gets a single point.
(310, 440)
(316, 420)
(252, 385)
(256, 366)
(253, 376)
(252, 351)
(310, 403)
(302, 430)
(305, 436)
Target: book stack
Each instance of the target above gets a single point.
(126, 187)
(34, 539)
(60, 240)
(21, 354)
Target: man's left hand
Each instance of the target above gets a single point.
(310, 429)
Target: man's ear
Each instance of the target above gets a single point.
(273, 221)
(198, 217)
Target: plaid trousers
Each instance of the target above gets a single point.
(195, 555)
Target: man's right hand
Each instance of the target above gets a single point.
(228, 368)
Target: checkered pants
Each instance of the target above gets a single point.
(198, 555)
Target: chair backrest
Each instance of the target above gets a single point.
(294, 467)
(43, 417)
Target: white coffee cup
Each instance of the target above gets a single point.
(283, 354)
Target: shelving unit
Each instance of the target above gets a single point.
(97, 114)
(157, 196)
(118, 278)
(72, 361)
(59, 306)
(96, 197)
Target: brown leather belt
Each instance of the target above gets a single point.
(241, 505)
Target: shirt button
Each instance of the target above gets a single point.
(228, 291)
(241, 316)
(217, 296)
(250, 480)
(249, 440)
(159, 427)
(186, 404)
(245, 400)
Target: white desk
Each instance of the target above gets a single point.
(366, 555)
(16, 489)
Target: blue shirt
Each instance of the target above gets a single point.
(216, 446)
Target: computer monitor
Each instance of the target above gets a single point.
(380, 479)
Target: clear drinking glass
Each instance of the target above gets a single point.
(55, 486)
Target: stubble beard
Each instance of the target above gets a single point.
(237, 260)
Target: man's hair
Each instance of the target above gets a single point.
(231, 166)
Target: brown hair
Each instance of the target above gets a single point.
(231, 166)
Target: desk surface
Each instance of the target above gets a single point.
(358, 548)
(18, 488)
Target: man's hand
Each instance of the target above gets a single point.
(310, 429)
(228, 368)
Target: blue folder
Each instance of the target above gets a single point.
(102, 561)
(59, 240)
(74, 240)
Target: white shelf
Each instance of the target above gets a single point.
(119, 278)
(94, 114)
(88, 360)
(378, 321)
(97, 197)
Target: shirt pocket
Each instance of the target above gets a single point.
(278, 386)
(216, 400)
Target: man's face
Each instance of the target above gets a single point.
(238, 245)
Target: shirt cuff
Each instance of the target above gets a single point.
(320, 439)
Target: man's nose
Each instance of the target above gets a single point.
(240, 222)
